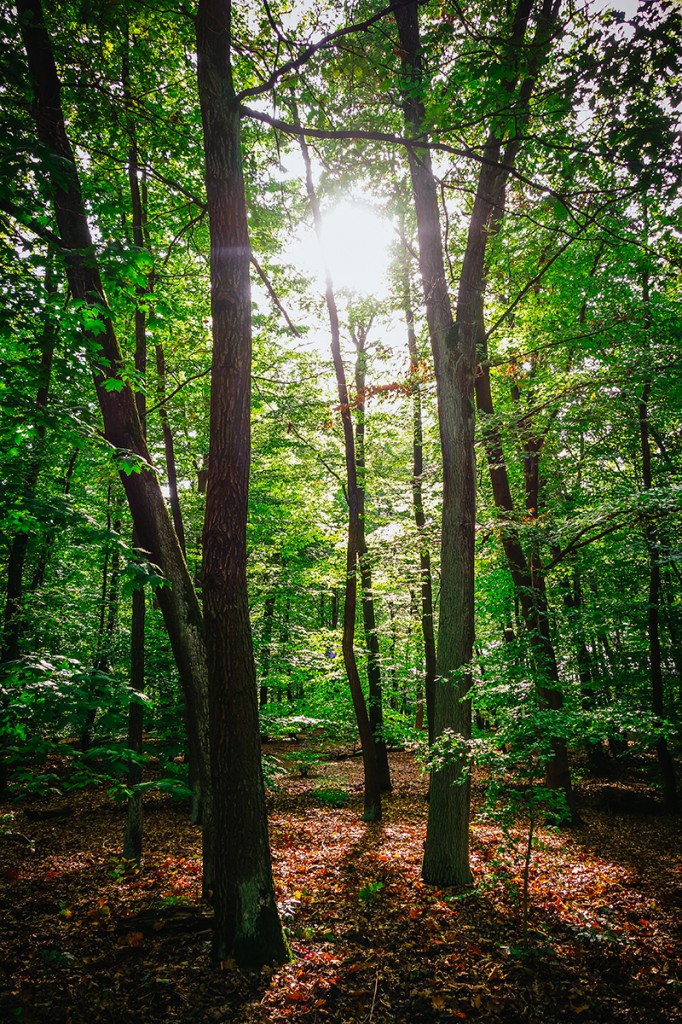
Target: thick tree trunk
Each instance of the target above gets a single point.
(372, 808)
(122, 428)
(446, 852)
(247, 924)
(266, 649)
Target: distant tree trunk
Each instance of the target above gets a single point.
(266, 639)
(372, 808)
(122, 426)
(571, 592)
(45, 552)
(672, 622)
(419, 516)
(132, 842)
(529, 585)
(169, 448)
(375, 692)
(446, 851)
(665, 760)
(108, 619)
(10, 646)
(532, 591)
(17, 556)
(247, 924)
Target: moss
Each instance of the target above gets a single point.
(259, 938)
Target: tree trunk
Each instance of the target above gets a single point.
(375, 692)
(122, 428)
(372, 808)
(665, 760)
(38, 577)
(169, 449)
(468, 333)
(268, 620)
(247, 924)
(446, 852)
(108, 618)
(425, 577)
(10, 645)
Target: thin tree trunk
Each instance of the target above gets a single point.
(268, 621)
(10, 645)
(372, 808)
(38, 577)
(108, 619)
(247, 924)
(15, 568)
(665, 760)
(169, 448)
(671, 618)
(375, 692)
(425, 577)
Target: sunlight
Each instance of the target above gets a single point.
(355, 247)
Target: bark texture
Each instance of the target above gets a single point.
(247, 925)
(446, 852)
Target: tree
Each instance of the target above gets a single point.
(247, 921)
(247, 924)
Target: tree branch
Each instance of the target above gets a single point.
(266, 281)
(321, 44)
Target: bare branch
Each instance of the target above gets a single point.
(273, 295)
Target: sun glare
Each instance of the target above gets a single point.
(355, 248)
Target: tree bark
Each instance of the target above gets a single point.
(426, 582)
(446, 851)
(169, 448)
(665, 760)
(375, 692)
(247, 924)
(266, 649)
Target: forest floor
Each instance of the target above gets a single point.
(371, 943)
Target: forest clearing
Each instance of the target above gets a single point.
(371, 942)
